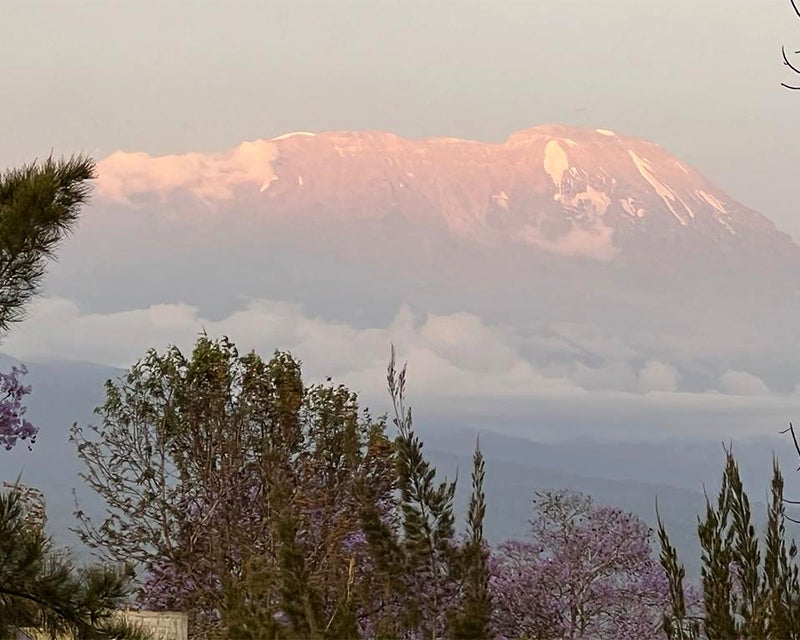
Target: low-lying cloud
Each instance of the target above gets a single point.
(458, 363)
(123, 176)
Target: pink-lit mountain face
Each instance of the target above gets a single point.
(556, 226)
(554, 190)
(562, 190)
(548, 199)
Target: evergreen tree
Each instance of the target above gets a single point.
(742, 596)
(473, 619)
(431, 584)
(39, 206)
(41, 589)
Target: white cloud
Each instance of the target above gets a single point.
(658, 376)
(594, 240)
(454, 354)
(614, 375)
(742, 383)
(460, 367)
(207, 176)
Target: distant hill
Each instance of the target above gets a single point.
(629, 475)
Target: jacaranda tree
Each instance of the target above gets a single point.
(584, 572)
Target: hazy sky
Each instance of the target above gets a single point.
(700, 77)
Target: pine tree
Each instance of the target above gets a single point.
(39, 206)
(431, 585)
(41, 589)
(678, 623)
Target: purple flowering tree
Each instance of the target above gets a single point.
(585, 572)
(13, 425)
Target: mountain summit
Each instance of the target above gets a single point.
(561, 190)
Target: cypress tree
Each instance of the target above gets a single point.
(471, 622)
(743, 595)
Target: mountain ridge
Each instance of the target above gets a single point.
(556, 189)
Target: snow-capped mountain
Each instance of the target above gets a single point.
(587, 245)
(552, 189)
(561, 189)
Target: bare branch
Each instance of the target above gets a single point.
(786, 61)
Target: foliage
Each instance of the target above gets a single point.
(39, 205)
(585, 572)
(472, 621)
(13, 425)
(743, 596)
(432, 584)
(233, 486)
(40, 588)
(269, 509)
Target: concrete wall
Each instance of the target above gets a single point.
(165, 625)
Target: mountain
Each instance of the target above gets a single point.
(592, 248)
(553, 189)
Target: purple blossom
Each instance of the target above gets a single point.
(354, 542)
(13, 425)
(586, 572)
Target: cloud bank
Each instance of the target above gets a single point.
(459, 365)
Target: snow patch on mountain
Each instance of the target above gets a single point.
(286, 136)
(666, 194)
(711, 200)
(501, 200)
(267, 183)
(556, 162)
(631, 209)
(722, 216)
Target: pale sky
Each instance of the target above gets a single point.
(699, 77)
